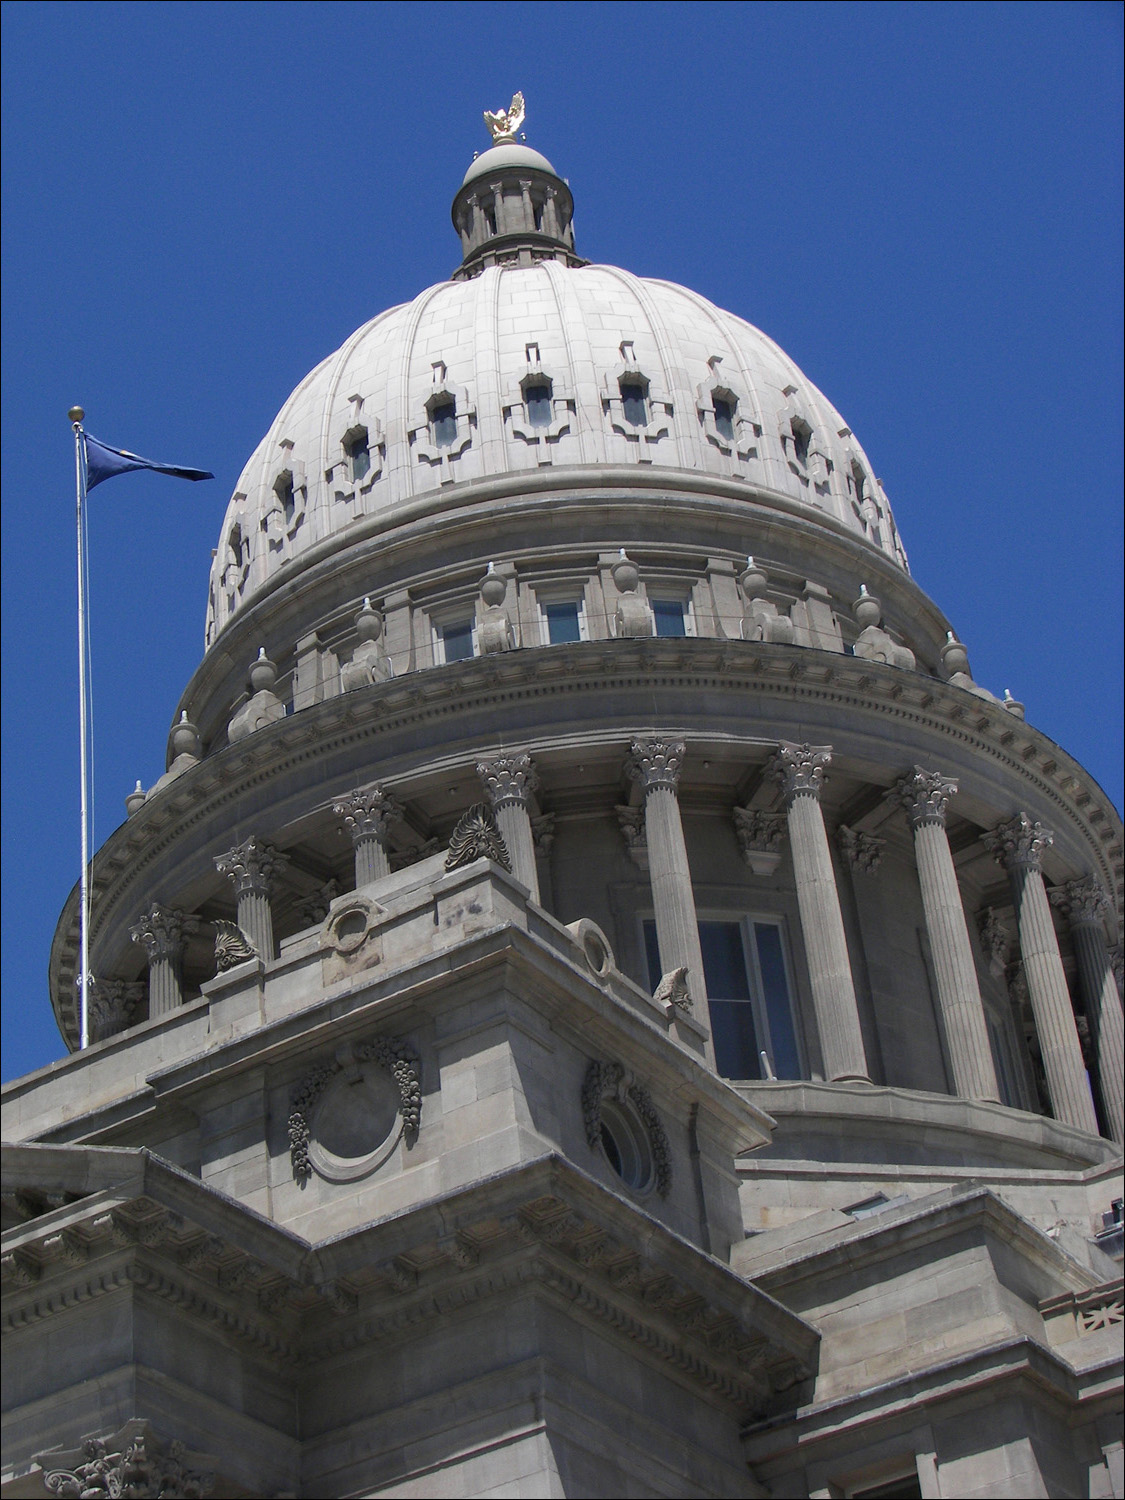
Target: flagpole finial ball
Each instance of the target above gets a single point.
(75, 414)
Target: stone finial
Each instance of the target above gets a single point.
(866, 609)
(251, 866)
(994, 936)
(1083, 902)
(762, 620)
(760, 836)
(494, 629)
(184, 740)
(135, 801)
(369, 661)
(1013, 705)
(113, 1004)
(925, 795)
(161, 932)
(799, 769)
(476, 836)
(131, 1461)
(874, 643)
(263, 707)
(368, 813)
(954, 657)
(632, 617)
(863, 851)
(508, 779)
(1019, 842)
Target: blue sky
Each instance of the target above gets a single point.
(920, 203)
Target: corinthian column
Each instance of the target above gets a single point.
(251, 867)
(1018, 846)
(509, 781)
(655, 766)
(160, 933)
(925, 795)
(800, 770)
(368, 813)
(1084, 902)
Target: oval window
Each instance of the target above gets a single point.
(625, 1143)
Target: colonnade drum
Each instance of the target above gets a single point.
(600, 998)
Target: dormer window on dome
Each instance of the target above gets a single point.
(357, 449)
(634, 400)
(801, 438)
(537, 401)
(443, 421)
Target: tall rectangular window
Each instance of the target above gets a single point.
(669, 616)
(537, 400)
(749, 998)
(443, 422)
(457, 640)
(563, 622)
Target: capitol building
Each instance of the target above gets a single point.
(601, 1002)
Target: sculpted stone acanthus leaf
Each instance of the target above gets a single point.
(232, 946)
(799, 769)
(130, 1462)
(251, 866)
(368, 813)
(863, 851)
(758, 832)
(1021, 841)
(1083, 901)
(673, 990)
(113, 1004)
(508, 779)
(655, 763)
(476, 836)
(925, 796)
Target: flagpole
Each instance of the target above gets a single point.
(76, 415)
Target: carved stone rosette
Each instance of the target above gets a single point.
(476, 836)
(391, 1053)
(131, 1461)
(655, 764)
(606, 1080)
(251, 866)
(368, 812)
(925, 795)
(799, 769)
(1019, 842)
(863, 851)
(508, 779)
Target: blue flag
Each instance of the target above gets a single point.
(103, 462)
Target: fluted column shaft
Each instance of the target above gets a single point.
(655, 766)
(509, 781)
(368, 813)
(1019, 846)
(925, 795)
(251, 868)
(160, 932)
(1084, 902)
(800, 769)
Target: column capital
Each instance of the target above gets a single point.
(1019, 842)
(800, 769)
(113, 1003)
(251, 866)
(1083, 902)
(925, 796)
(161, 931)
(655, 763)
(509, 780)
(863, 851)
(368, 813)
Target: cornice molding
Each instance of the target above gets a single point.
(213, 791)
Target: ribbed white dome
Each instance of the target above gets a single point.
(478, 345)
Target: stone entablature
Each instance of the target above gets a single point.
(938, 730)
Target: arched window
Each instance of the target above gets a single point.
(283, 489)
(802, 436)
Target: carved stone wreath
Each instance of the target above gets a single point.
(392, 1054)
(608, 1080)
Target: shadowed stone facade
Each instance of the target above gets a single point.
(600, 1001)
